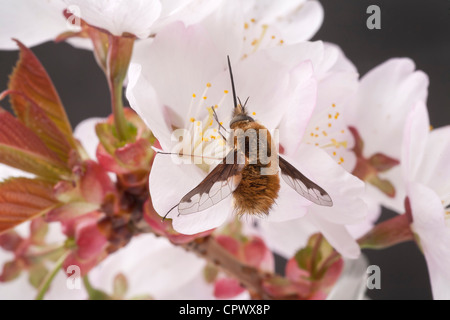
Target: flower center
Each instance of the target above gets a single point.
(327, 131)
(202, 141)
(258, 35)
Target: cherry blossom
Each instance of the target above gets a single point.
(425, 169)
(202, 80)
(140, 18)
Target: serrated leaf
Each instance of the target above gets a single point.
(22, 199)
(34, 118)
(21, 148)
(31, 162)
(30, 78)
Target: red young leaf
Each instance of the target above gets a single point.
(35, 118)
(22, 199)
(30, 78)
(23, 149)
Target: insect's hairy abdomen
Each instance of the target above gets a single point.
(257, 192)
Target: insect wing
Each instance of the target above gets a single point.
(305, 187)
(217, 185)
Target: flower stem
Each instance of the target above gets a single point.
(43, 288)
(117, 62)
(249, 277)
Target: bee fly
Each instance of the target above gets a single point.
(253, 192)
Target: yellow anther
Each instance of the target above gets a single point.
(192, 119)
(273, 37)
(334, 153)
(193, 95)
(330, 116)
(336, 115)
(324, 133)
(335, 143)
(329, 125)
(225, 91)
(281, 41)
(341, 159)
(254, 113)
(246, 25)
(317, 128)
(333, 105)
(205, 97)
(253, 20)
(208, 85)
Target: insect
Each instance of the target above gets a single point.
(240, 173)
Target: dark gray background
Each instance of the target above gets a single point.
(416, 29)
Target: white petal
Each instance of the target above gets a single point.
(272, 96)
(338, 236)
(287, 237)
(297, 116)
(415, 139)
(357, 230)
(19, 19)
(120, 16)
(177, 64)
(385, 96)
(187, 11)
(289, 205)
(170, 182)
(151, 266)
(352, 284)
(143, 99)
(302, 23)
(434, 170)
(345, 190)
(430, 225)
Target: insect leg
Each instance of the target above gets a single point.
(165, 216)
(187, 155)
(218, 122)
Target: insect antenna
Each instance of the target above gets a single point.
(232, 83)
(243, 105)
